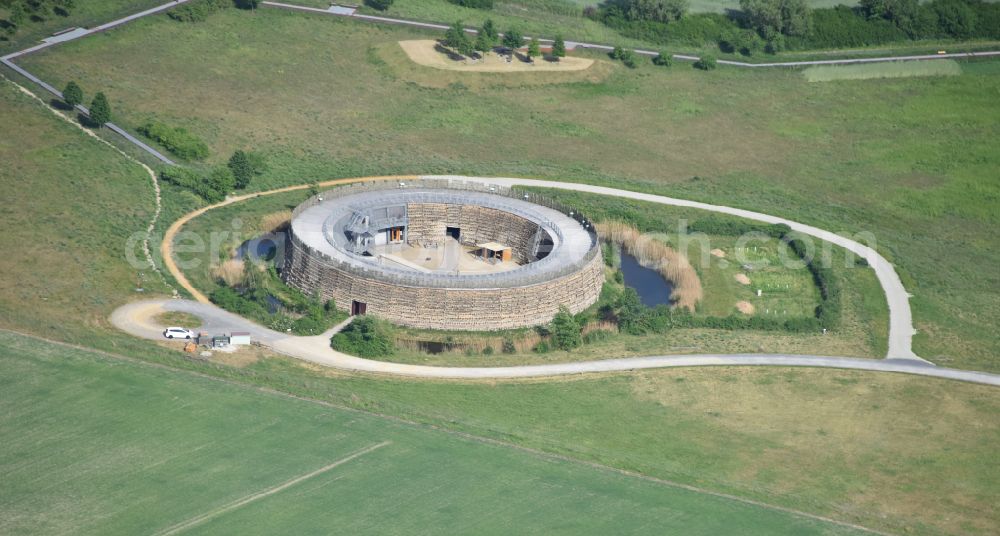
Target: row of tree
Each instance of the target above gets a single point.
(487, 38)
(774, 25)
(100, 108)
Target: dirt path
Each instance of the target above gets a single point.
(149, 171)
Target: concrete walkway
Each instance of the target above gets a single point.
(136, 319)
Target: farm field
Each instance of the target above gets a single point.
(97, 446)
(840, 156)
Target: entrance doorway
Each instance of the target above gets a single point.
(358, 308)
(453, 232)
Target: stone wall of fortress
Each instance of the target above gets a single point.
(443, 308)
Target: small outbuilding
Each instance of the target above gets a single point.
(239, 337)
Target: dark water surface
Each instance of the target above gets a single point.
(652, 288)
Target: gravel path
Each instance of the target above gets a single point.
(136, 318)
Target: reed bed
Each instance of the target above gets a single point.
(275, 221)
(229, 272)
(655, 255)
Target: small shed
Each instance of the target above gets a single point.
(494, 252)
(220, 341)
(239, 337)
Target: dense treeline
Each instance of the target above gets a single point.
(22, 12)
(774, 25)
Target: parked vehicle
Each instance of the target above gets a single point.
(178, 333)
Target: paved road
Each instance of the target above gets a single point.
(136, 318)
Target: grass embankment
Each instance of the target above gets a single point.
(838, 156)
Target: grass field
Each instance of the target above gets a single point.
(99, 446)
(910, 159)
(907, 159)
(901, 69)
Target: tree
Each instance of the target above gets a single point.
(769, 17)
(490, 31)
(512, 40)
(17, 14)
(651, 10)
(242, 168)
(663, 59)
(72, 94)
(559, 48)
(100, 110)
(380, 5)
(456, 39)
(483, 44)
(534, 49)
(632, 313)
(565, 330)
(748, 42)
(221, 180)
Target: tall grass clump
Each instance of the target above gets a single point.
(229, 272)
(656, 255)
(275, 221)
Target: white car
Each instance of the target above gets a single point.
(178, 333)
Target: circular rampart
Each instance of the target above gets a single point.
(350, 244)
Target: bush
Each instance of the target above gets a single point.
(197, 10)
(541, 348)
(176, 140)
(191, 180)
(625, 55)
(706, 63)
(380, 5)
(565, 330)
(244, 166)
(366, 336)
(477, 4)
(508, 346)
(488, 350)
(663, 59)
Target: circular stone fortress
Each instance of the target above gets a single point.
(444, 254)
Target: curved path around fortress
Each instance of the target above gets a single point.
(136, 318)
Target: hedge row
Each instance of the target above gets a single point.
(828, 311)
(197, 10)
(176, 139)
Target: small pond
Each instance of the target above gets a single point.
(653, 290)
